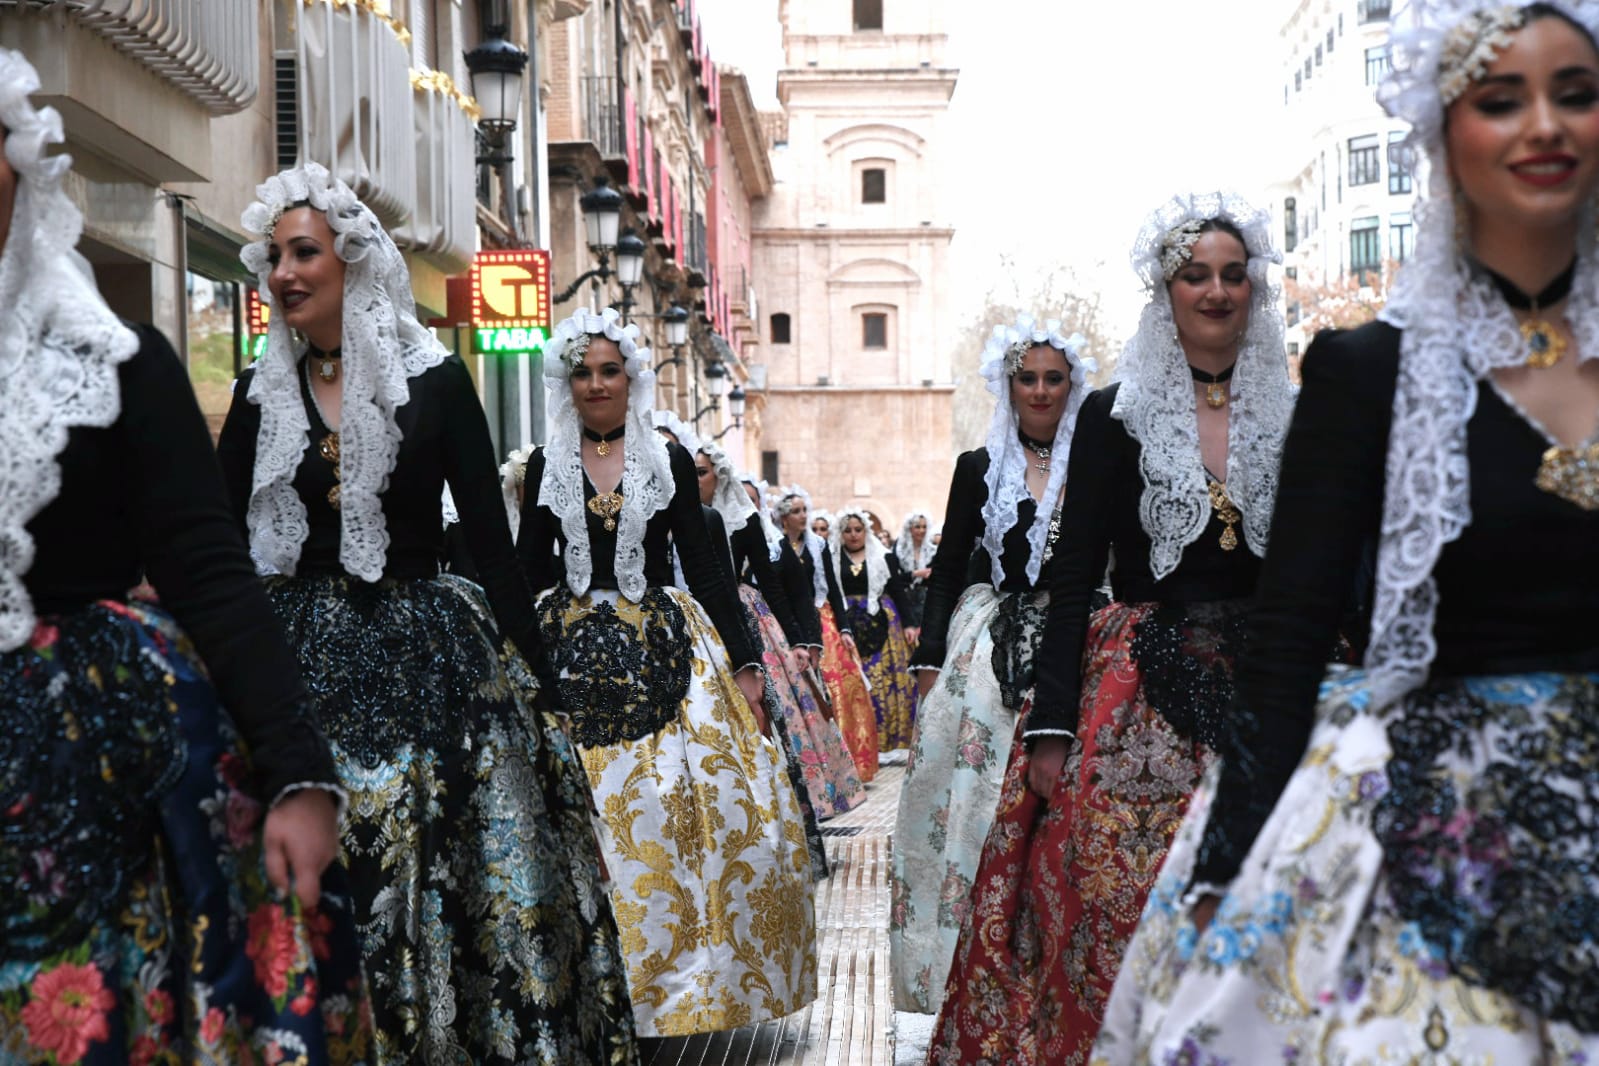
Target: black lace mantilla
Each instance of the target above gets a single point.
(623, 670)
(1490, 834)
(870, 630)
(1185, 657)
(90, 744)
(1016, 631)
(390, 663)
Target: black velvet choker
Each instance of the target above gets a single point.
(1215, 395)
(1034, 445)
(604, 439)
(1552, 293)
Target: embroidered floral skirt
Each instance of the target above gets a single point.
(703, 834)
(1060, 885)
(1426, 890)
(813, 739)
(136, 920)
(963, 734)
(852, 703)
(886, 660)
(486, 926)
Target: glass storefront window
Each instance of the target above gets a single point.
(215, 339)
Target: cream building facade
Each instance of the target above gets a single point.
(852, 249)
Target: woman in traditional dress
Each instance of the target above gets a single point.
(1424, 886)
(168, 803)
(915, 551)
(841, 663)
(881, 619)
(814, 741)
(1172, 475)
(703, 836)
(471, 849)
(822, 524)
(980, 631)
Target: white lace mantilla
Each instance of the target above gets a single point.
(383, 347)
(876, 557)
(912, 558)
(815, 546)
(729, 500)
(1456, 330)
(646, 485)
(1008, 459)
(60, 345)
(1155, 397)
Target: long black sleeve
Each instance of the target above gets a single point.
(722, 549)
(704, 577)
(197, 561)
(801, 597)
(1329, 503)
(236, 449)
(963, 524)
(835, 597)
(898, 590)
(750, 550)
(473, 477)
(535, 539)
(1078, 567)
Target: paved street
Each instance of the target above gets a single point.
(852, 1022)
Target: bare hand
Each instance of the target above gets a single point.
(923, 574)
(849, 642)
(802, 658)
(913, 635)
(1204, 911)
(301, 839)
(749, 683)
(925, 680)
(1044, 769)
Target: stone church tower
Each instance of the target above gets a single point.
(852, 250)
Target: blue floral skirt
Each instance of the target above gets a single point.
(1426, 890)
(485, 923)
(136, 920)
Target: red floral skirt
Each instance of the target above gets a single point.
(852, 703)
(1061, 885)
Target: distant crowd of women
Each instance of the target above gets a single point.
(1246, 722)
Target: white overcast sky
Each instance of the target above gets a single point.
(1076, 118)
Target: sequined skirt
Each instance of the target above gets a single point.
(486, 924)
(885, 659)
(136, 919)
(1425, 890)
(703, 838)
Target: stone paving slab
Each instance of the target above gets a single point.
(852, 1021)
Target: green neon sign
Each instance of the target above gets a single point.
(509, 340)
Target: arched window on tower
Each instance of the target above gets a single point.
(780, 328)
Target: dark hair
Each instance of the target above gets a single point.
(1221, 225)
(1541, 10)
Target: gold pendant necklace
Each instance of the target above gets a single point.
(607, 505)
(1229, 515)
(1545, 345)
(856, 568)
(602, 441)
(1215, 384)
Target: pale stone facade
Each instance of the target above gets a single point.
(851, 250)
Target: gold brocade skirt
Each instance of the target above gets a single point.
(702, 835)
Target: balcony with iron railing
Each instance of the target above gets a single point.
(603, 117)
(1373, 10)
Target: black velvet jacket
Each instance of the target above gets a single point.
(1517, 592)
(445, 438)
(682, 522)
(1103, 489)
(962, 561)
(143, 497)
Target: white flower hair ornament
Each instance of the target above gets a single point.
(60, 345)
(383, 347)
(1008, 458)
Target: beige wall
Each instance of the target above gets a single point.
(854, 424)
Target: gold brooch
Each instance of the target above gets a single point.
(1222, 504)
(607, 505)
(328, 448)
(1572, 474)
(1545, 345)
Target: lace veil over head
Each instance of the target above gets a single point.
(1456, 329)
(60, 345)
(647, 484)
(1007, 458)
(876, 556)
(729, 500)
(383, 347)
(1155, 398)
(669, 421)
(911, 558)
